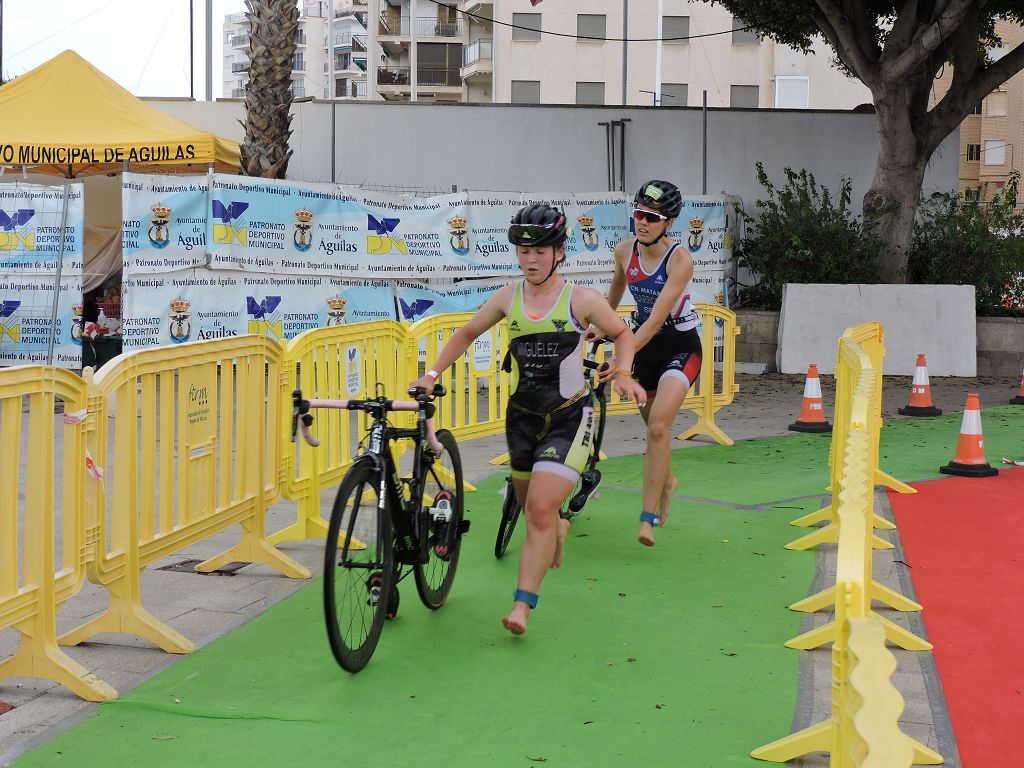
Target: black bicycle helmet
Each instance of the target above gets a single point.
(538, 224)
(660, 196)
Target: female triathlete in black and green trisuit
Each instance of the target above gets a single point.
(550, 418)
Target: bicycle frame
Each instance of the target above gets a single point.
(411, 543)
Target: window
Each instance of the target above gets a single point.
(977, 109)
(744, 96)
(590, 25)
(526, 26)
(298, 88)
(675, 27)
(673, 94)
(972, 193)
(791, 92)
(998, 102)
(995, 151)
(973, 153)
(298, 62)
(526, 91)
(590, 93)
(741, 36)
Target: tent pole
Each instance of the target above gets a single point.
(56, 283)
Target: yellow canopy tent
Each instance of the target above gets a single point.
(67, 117)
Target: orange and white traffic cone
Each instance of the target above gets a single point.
(970, 449)
(1019, 399)
(812, 411)
(920, 392)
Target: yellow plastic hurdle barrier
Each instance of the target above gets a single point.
(863, 729)
(31, 586)
(868, 338)
(193, 457)
(852, 526)
(346, 361)
(705, 399)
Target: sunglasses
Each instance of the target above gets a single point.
(523, 234)
(650, 216)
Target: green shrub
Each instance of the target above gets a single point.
(803, 234)
(962, 242)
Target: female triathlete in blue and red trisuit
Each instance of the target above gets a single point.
(668, 357)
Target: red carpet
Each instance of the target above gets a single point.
(963, 539)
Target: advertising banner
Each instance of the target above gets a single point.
(26, 312)
(30, 228)
(195, 304)
(163, 222)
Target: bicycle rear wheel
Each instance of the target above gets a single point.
(510, 512)
(358, 568)
(442, 481)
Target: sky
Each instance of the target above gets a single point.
(142, 44)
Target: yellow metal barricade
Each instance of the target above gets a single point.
(477, 387)
(347, 361)
(32, 584)
(710, 393)
(192, 453)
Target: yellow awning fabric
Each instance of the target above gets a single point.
(67, 117)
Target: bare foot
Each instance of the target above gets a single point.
(515, 622)
(563, 531)
(646, 534)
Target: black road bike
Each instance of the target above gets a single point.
(590, 478)
(384, 527)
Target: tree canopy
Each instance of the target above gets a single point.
(897, 50)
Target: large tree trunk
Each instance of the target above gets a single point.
(892, 200)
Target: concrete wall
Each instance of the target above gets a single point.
(560, 148)
(1000, 342)
(937, 320)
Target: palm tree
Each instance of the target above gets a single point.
(273, 25)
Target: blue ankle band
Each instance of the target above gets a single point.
(649, 517)
(525, 597)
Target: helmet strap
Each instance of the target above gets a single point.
(655, 240)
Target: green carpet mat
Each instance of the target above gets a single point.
(658, 657)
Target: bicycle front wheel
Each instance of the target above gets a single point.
(358, 568)
(510, 511)
(442, 518)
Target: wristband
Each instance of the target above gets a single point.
(433, 374)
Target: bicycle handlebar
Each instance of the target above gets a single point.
(301, 416)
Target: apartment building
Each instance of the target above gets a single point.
(992, 137)
(558, 52)
(311, 64)
(572, 52)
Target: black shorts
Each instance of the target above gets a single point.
(669, 353)
(559, 442)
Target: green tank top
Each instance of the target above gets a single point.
(547, 354)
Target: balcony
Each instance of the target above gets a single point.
(479, 7)
(238, 93)
(298, 63)
(300, 38)
(393, 25)
(235, 18)
(358, 42)
(342, 41)
(427, 78)
(477, 60)
(239, 41)
(239, 66)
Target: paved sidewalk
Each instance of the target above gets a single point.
(204, 607)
